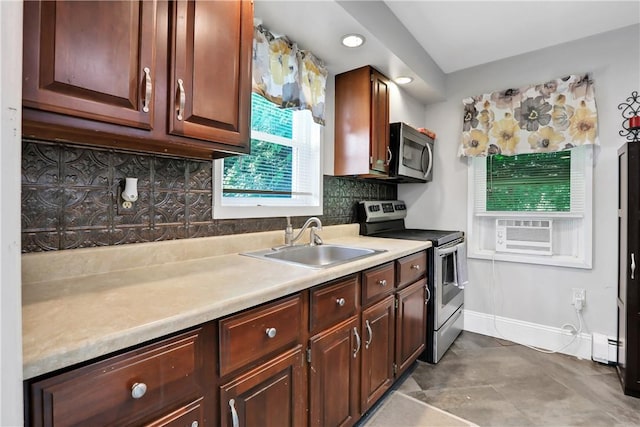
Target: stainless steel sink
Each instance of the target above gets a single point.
(319, 256)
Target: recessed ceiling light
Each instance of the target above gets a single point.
(403, 80)
(352, 40)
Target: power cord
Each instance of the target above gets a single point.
(574, 331)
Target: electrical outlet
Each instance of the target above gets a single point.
(578, 297)
(124, 207)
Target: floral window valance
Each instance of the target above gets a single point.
(557, 115)
(286, 75)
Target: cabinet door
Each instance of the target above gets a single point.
(380, 153)
(411, 324)
(334, 375)
(211, 71)
(272, 394)
(91, 59)
(378, 327)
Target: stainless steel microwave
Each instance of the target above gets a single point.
(411, 154)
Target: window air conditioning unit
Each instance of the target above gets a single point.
(524, 236)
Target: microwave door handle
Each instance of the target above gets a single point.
(426, 174)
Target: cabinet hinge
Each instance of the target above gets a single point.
(309, 355)
(396, 302)
(395, 369)
(371, 160)
(371, 76)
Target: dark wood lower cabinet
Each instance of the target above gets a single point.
(273, 394)
(334, 375)
(253, 368)
(411, 324)
(378, 333)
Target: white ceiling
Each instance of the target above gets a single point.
(462, 34)
(427, 39)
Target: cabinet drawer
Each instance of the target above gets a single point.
(189, 415)
(248, 336)
(411, 268)
(102, 393)
(377, 282)
(334, 302)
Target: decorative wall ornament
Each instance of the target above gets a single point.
(557, 115)
(286, 75)
(631, 117)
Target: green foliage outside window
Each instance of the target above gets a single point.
(536, 182)
(267, 172)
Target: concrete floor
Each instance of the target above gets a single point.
(494, 382)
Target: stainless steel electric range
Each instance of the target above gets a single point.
(446, 272)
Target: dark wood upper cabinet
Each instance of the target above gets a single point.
(91, 59)
(211, 70)
(149, 76)
(362, 123)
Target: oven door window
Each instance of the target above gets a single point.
(449, 281)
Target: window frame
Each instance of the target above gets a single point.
(277, 207)
(580, 224)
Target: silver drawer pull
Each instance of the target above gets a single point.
(633, 265)
(194, 424)
(271, 332)
(426, 288)
(382, 282)
(340, 301)
(415, 267)
(138, 390)
(235, 422)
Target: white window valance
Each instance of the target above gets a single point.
(557, 115)
(287, 76)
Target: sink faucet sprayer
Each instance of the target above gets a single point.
(314, 239)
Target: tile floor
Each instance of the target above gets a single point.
(494, 382)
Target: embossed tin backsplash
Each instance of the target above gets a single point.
(69, 199)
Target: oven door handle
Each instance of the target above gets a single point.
(447, 251)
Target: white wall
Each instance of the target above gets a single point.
(524, 292)
(10, 149)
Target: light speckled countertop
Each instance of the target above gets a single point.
(83, 303)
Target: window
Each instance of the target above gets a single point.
(281, 176)
(532, 208)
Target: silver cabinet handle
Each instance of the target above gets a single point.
(182, 97)
(426, 301)
(138, 390)
(271, 332)
(340, 302)
(388, 162)
(194, 424)
(358, 343)
(633, 265)
(382, 282)
(235, 422)
(415, 267)
(148, 90)
(370, 332)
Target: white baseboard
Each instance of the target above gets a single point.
(527, 333)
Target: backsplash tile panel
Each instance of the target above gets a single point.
(69, 199)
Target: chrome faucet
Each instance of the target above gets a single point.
(314, 239)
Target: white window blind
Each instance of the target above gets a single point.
(536, 194)
(281, 177)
